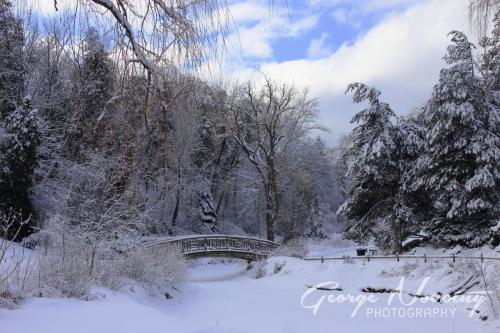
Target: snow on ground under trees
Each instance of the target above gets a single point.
(222, 296)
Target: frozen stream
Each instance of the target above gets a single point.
(225, 297)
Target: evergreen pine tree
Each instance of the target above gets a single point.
(372, 164)
(97, 77)
(207, 211)
(461, 155)
(316, 221)
(18, 159)
(490, 67)
(411, 206)
(11, 59)
(96, 90)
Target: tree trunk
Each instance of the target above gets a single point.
(272, 200)
(398, 241)
(219, 203)
(176, 209)
(92, 262)
(269, 224)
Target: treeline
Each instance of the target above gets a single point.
(95, 148)
(436, 172)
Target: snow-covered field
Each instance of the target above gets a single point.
(225, 297)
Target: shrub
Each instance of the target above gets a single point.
(16, 264)
(65, 272)
(259, 269)
(295, 247)
(16, 277)
(278, 267)
(154, 269)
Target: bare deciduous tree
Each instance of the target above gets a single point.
(481, 12)
(267, 123)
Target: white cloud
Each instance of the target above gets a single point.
(242, 12)
(401, 56)
(318, 48)
(366, 6)
(340, 15)
(294, 28)
(255, 40)
(346, 16)
(375, 5)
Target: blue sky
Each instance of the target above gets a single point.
(395, 45)
(332, 22)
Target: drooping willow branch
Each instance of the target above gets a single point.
(164, 35)
(481, 13)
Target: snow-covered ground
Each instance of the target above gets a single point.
(225, 297)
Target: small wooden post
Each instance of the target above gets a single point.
(368, 257)
(322, 260)
(397, 257)
(453, 257)
(482, 258)
(425, 257)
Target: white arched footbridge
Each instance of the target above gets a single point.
(196, 246)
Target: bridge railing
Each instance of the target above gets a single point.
(215, 243)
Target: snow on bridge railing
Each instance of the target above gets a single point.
(199, 244)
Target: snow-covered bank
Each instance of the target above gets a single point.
(223, 297)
